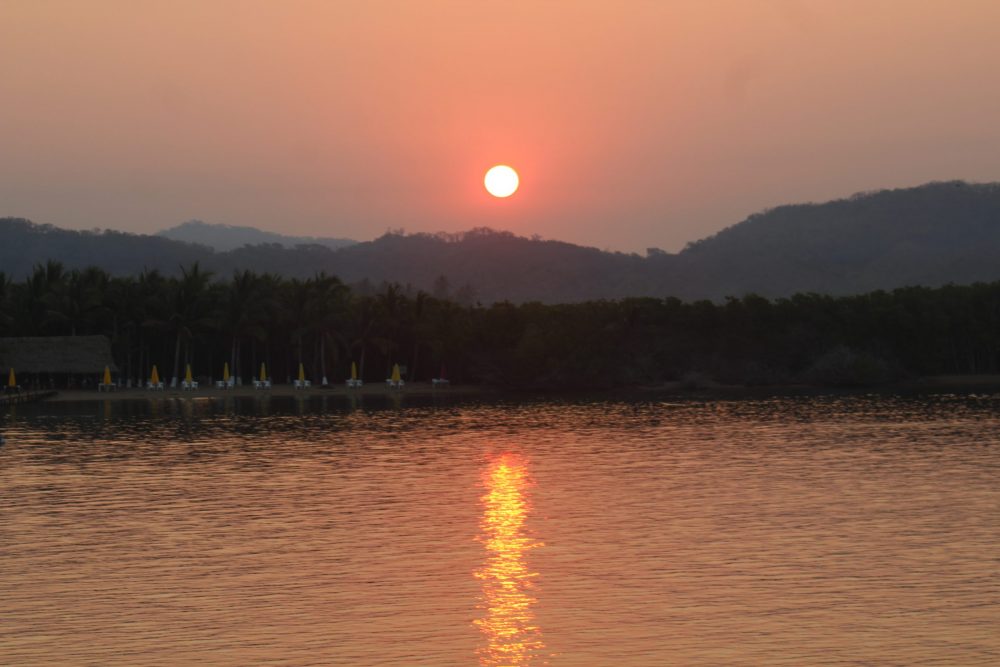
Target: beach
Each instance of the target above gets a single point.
(423, 389)
(936, 383)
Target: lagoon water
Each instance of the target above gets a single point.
(858, 530)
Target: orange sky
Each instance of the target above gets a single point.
(633, 124)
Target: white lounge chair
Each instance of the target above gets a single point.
(302, 384)
(440, 381)
(106, 387)
(354, 384)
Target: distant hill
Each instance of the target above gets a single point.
(929, 235)
(24, 244)
(230, 237)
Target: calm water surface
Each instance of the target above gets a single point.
(792, 531)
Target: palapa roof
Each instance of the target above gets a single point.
(57, 354)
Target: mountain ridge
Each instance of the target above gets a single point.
(230, 237)
(933, 234)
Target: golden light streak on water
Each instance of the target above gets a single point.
(511, 634)
(805, 530)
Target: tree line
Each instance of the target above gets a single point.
(931, 235)
(248, 318)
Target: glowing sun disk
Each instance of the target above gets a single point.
(501, 181)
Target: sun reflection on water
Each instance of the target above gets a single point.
(508, 624)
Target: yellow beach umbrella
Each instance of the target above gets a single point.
(395, 373)
(354, 371)
(187, 374)
(263, 372)
(154, 377)
(302, 373)
(107, 375)
(225, 372)
(11, 380)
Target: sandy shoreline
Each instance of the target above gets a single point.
(940, 383)
(412, 389)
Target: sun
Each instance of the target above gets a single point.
(501, 181)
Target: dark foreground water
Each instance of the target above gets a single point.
(796, 531)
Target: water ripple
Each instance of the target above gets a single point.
(783, 531)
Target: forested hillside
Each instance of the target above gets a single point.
(930, 235)
(231, 237)
(249, 318)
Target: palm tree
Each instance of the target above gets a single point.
(270, 317)
(121, 301)
(418, 325)
(150, 305)
(359, 324)
(391, 306)
(245, 305)
(326, 312)
(297, 298)
(6, 307)
(79, 299)
(191, 309)
(35, 298)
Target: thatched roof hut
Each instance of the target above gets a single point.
(58, 355)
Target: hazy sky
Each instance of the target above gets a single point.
(632, 124)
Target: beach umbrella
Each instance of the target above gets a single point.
(395, 373)
(187, 374)
(11, 380)
(302, 372)
(354, 371)
(107, 376)
(263, 372)
(154, 377)
(225, 372)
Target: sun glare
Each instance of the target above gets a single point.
(501, 181)
(512, 636)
